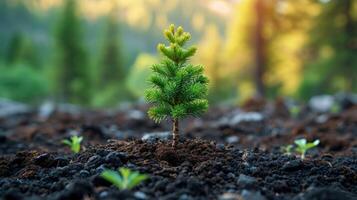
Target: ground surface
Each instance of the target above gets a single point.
(230, 153)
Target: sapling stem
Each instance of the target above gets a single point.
(175, 132)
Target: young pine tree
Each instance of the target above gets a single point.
(72, 75)
(178, 89)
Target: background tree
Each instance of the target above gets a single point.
(72, 70)
(178, 89)
(21, 49)
(111, 65)
(111, 87)
(249, 39)
(332, 60)
(221, 88)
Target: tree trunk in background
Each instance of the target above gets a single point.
(259, 47)
(175, 132)
(349, 27)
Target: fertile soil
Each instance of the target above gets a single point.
(215, 159)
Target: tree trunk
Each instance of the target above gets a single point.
(175, 132)
(259, 44)
(349, 28)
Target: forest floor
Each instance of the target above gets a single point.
(231, 153)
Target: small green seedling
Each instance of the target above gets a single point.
(335, 108)
(287, 149)
(126, 180)
(295, 111)
(74, 143)
(303, 146)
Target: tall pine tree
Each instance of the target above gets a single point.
(72, 72)
(178, 89)
(111, 65)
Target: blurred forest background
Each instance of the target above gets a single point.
(98, 53)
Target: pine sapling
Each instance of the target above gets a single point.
(178, 89)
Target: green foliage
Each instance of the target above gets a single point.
(20, 82)
(178, 89)
(74, 143)
(21, 50)
(111, 66)
(331, 67)
(126, 180)
(109, 96)
(302, 146)
(72, 75)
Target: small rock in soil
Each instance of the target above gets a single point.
(46, 110)
(153, 137)
(229, 196)
(93, 161)
(252, 195)
(140, 195)
(44, 160)
(326, 194)
(220, 146)
(61, 161)
(84, 173)
(76, 190)
(114, 158)
(232, 139)
(245, 180)
(240, 117)
(12, 195)
(3, 138)
(100, 169)
(292, 165)
(10, 108)
(246, 117)
(322, 103)
(135, 115)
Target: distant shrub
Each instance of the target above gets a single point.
(22, 83)
(111, 96)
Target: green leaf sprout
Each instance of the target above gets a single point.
(74, 143)
(125, 180)
(295, 111)
(335, 108)
(287, 149)
(303, 146)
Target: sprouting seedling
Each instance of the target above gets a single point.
(178, 89)
(125, 180)
(74, 143)
(303, 146)
(295, 111)
(335, 108)
(287, 149)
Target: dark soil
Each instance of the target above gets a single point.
(35, 165)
